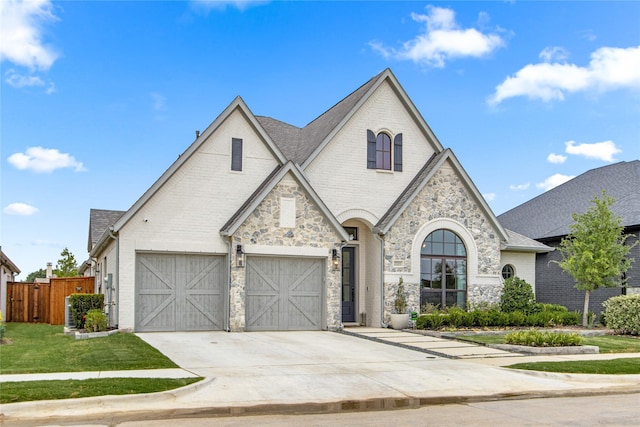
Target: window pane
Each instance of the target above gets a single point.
(449, 249)
(449, 237)
(430, 297)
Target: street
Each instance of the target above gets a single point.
(609, 410)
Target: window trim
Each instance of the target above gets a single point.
(237, 144)
(376, 153)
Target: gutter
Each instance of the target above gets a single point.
(117, 277)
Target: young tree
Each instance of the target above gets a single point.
(594, 252)
(40, 274)
(67, 265)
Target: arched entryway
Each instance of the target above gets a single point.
(443, 270)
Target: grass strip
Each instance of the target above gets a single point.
(625, 366)
(13, 392)
(41, 348)
(606, 343)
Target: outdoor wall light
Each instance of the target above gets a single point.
(335, 259)
(239, 256)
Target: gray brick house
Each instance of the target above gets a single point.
(547, 217)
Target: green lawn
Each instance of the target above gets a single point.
(607, 344)
(13, 392)
(614, 366)
(38, 348)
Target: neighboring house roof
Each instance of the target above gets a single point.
(550, 214)
(99, 221)
(265, 188)
(418, 183)
(519, 243)
(6, 262)
(301, 145)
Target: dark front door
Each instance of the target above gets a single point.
(348, 284)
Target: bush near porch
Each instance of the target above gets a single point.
(549, 315)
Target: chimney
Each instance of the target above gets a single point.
(49, 270)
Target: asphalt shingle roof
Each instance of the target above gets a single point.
(297, 144)
(550, 214)
(99, 221)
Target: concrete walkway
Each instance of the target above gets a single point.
(297, 372)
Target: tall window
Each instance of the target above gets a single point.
(443, 270)
(379, 153)
(236, 154)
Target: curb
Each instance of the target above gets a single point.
(374, 404)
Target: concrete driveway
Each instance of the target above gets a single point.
(298, 372)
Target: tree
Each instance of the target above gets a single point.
(67, 265)
(594, 252)
(39, 274)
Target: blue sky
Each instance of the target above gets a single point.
(99, 98)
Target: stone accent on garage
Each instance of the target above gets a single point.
(311, 230)
(444, 196)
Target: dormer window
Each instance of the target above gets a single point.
(379, 153)
(236, 154)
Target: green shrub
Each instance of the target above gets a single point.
(2, 329)
(81, 304)
(552, 308)
(570, 318)
(430, 321)
(622, 314)
(517, 318)
(455, 316)
(517, 295)
(543, 339)
(481, 318)
(95, 321)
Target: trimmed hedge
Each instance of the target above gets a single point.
(81, 304)
(517, 295)
(456, 318)
(543, 339)
(622, 314)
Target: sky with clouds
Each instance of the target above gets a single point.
(99, 98)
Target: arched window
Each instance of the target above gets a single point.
(379, 151)
(443, 270)
(508, 271)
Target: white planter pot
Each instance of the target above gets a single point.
(400, 321)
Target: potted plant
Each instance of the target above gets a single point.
(400, 319)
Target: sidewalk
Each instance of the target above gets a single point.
(321, 372)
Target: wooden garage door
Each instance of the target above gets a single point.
(284, 293)
(179, 292)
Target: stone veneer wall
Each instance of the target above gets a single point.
(444, 196)
(311, 230)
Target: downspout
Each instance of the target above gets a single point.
(117, 274)
(379, 237)
(228, 319)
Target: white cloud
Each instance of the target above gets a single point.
(556, 158)
(21, 25)
(554, 181)
(519, 187)
(489, 196)
(20, 209)
(158, 101)
(609, 68)
(599, 150)
(19, 81)
(40, 159)
(442, 40)
(207, 5)
(552, 53)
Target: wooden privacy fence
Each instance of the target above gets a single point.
(44, 302)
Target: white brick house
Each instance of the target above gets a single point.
(260, 225)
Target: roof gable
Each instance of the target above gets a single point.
(237, 105)
(419, 182)
(550, 214)
(265, 188)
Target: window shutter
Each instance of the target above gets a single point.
(397, 153)
(236, 154)
(371, 149)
